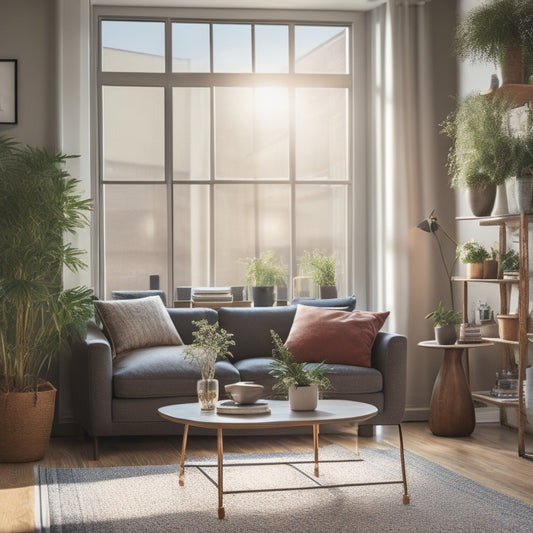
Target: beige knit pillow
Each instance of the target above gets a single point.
(138, 323)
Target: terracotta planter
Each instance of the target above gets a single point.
(508, 327)
(513, 65)
(303, 398)
(490, 269)
(474, 270)
(25, 424)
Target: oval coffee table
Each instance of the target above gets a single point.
(328, 411)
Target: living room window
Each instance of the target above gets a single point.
(219, 140)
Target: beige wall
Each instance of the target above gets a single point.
(27, 33)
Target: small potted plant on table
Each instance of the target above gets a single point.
(444, 322)
(322, 269)
(301, 380)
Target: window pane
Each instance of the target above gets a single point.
(191, 235)
(251, 133)
(271, 48)
(321, 221)
(321, 49)
(135, 236)
(191, 121)
(322, 134)
(190, 47)
(232, 47)
(249, 219)
(133, 46)
(133, 133)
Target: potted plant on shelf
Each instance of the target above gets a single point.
(499, 31)
(473, 254)
(444, 322)
(490, 265)
(263, 273)
(523, 158)
(301, 381)
(321, 268)
(210, 341)
(481, 153)
(509, 265)
(38, 207)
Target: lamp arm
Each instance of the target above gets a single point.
(448, 273)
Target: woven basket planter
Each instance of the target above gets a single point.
(25, 424)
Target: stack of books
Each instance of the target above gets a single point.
(212, 294)
(469, 334)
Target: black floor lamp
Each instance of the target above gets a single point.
(432, 225)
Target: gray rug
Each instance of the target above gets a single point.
(149, 498)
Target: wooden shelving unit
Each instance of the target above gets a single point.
(522, 222)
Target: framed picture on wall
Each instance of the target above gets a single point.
(8, 91)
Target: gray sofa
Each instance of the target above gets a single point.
(121, 396)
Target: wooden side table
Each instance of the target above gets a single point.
(451, 410)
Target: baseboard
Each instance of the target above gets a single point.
(487, 414)
(416, 414)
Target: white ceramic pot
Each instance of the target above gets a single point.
(303, 398)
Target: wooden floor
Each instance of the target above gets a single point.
(488, 456)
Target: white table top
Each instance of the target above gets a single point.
(457, 345)
(280, 415)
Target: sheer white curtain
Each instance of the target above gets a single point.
(402, 152)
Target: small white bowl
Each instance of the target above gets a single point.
(244, 391)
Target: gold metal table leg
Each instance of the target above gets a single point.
(404, 477)
(182, 458)
(220, 452)
(315, 447)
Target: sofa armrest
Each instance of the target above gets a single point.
(93, 381)
(389, 356)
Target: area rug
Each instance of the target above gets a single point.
(149, 498)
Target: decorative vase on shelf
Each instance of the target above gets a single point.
(207, 390)
(474, 270)
(481, 201)
(303, 398)
(524, 193)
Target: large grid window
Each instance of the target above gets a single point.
(218, 141)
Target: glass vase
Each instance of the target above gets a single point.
(207, 390)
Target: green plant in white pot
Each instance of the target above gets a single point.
(39, 205)
(263, 273)
(523, 162)
(301, 381)
(499, 31)
(444, 322)
(481, 153)
(473, 254)
(321, 267)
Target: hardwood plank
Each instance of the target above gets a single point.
(488, 456)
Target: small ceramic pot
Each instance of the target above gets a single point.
(446, 334)
(244, 391)
(303, 398)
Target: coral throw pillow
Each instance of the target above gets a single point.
(343, 337)
(139, 323)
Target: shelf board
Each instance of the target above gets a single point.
(496, 220)
(519, 93)
(497, 340)
(485, 397)
(484, 280)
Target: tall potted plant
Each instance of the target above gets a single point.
(499, 31)
(38, 206)
(523, 162)
(481, 153)
(263, 273)
(322, 269)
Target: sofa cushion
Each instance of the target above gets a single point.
(161, 371)
(251, 328)
(348, 304)
(319, 334)
(131, 324)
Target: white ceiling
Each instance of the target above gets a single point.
(330, 5)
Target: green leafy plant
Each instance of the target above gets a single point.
(210, 341)
(444, 317)
(472, 252)
(266, 270)
(490, 31)
(320, 266)
(38, 206)
(290, 372)
(509, 261)
(494, 252)
(481, 153)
